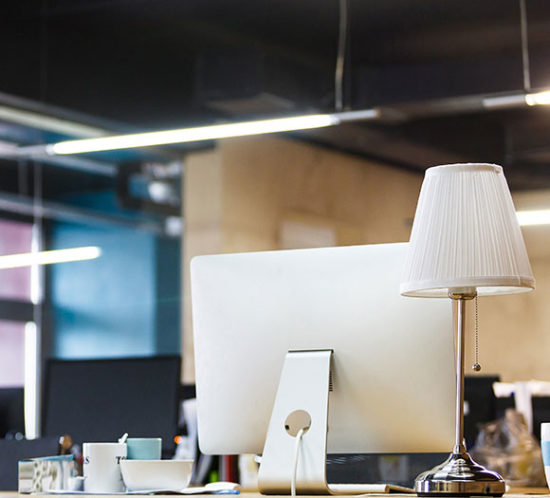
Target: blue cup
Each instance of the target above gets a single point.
(144, 448)
(545, 447)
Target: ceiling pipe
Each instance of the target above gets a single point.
(45, 117)
(397, 113)
(200, 133)
(26, 206)
(50, 153)
(11, 151)
(49, 123)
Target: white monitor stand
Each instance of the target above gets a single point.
(301, 403)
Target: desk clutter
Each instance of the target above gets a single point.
(129, 466)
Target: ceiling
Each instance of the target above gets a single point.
(152, 64)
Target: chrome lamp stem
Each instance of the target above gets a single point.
(459, 475)
(459, 307)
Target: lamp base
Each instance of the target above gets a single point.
(459, 475)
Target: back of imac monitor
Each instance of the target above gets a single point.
(393, 368)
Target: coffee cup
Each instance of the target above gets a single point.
(144, 448)
(101, 467)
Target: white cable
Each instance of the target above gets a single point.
(295, 468)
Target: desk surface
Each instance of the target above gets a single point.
(519, 493)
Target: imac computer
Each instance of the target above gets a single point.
(299, 353)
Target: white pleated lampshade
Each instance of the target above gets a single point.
(465, 235)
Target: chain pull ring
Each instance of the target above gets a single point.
(476, 367)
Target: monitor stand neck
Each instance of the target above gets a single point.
(301, 403)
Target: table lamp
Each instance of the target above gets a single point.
(465, 241)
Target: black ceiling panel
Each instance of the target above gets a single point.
(164, 63)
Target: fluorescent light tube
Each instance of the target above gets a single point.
(540, 98)
(535, 217)
(518, 99)
(48, 123)
(213, 132)
(504, 101)
(193, 134)
(49, 257)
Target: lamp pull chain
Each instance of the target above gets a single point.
(476, 367)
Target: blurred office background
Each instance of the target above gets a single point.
(82, 68)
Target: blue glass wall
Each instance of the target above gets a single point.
(125, 303)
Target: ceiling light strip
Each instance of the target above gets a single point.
(48, 123)
(49, 257)
(517, 100)
(540, 98)
(212, 132)
(534, 217)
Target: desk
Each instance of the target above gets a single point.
(526, 492)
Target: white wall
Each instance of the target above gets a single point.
(515, 329)
(269, 192)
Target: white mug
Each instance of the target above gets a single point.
(101, 467)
